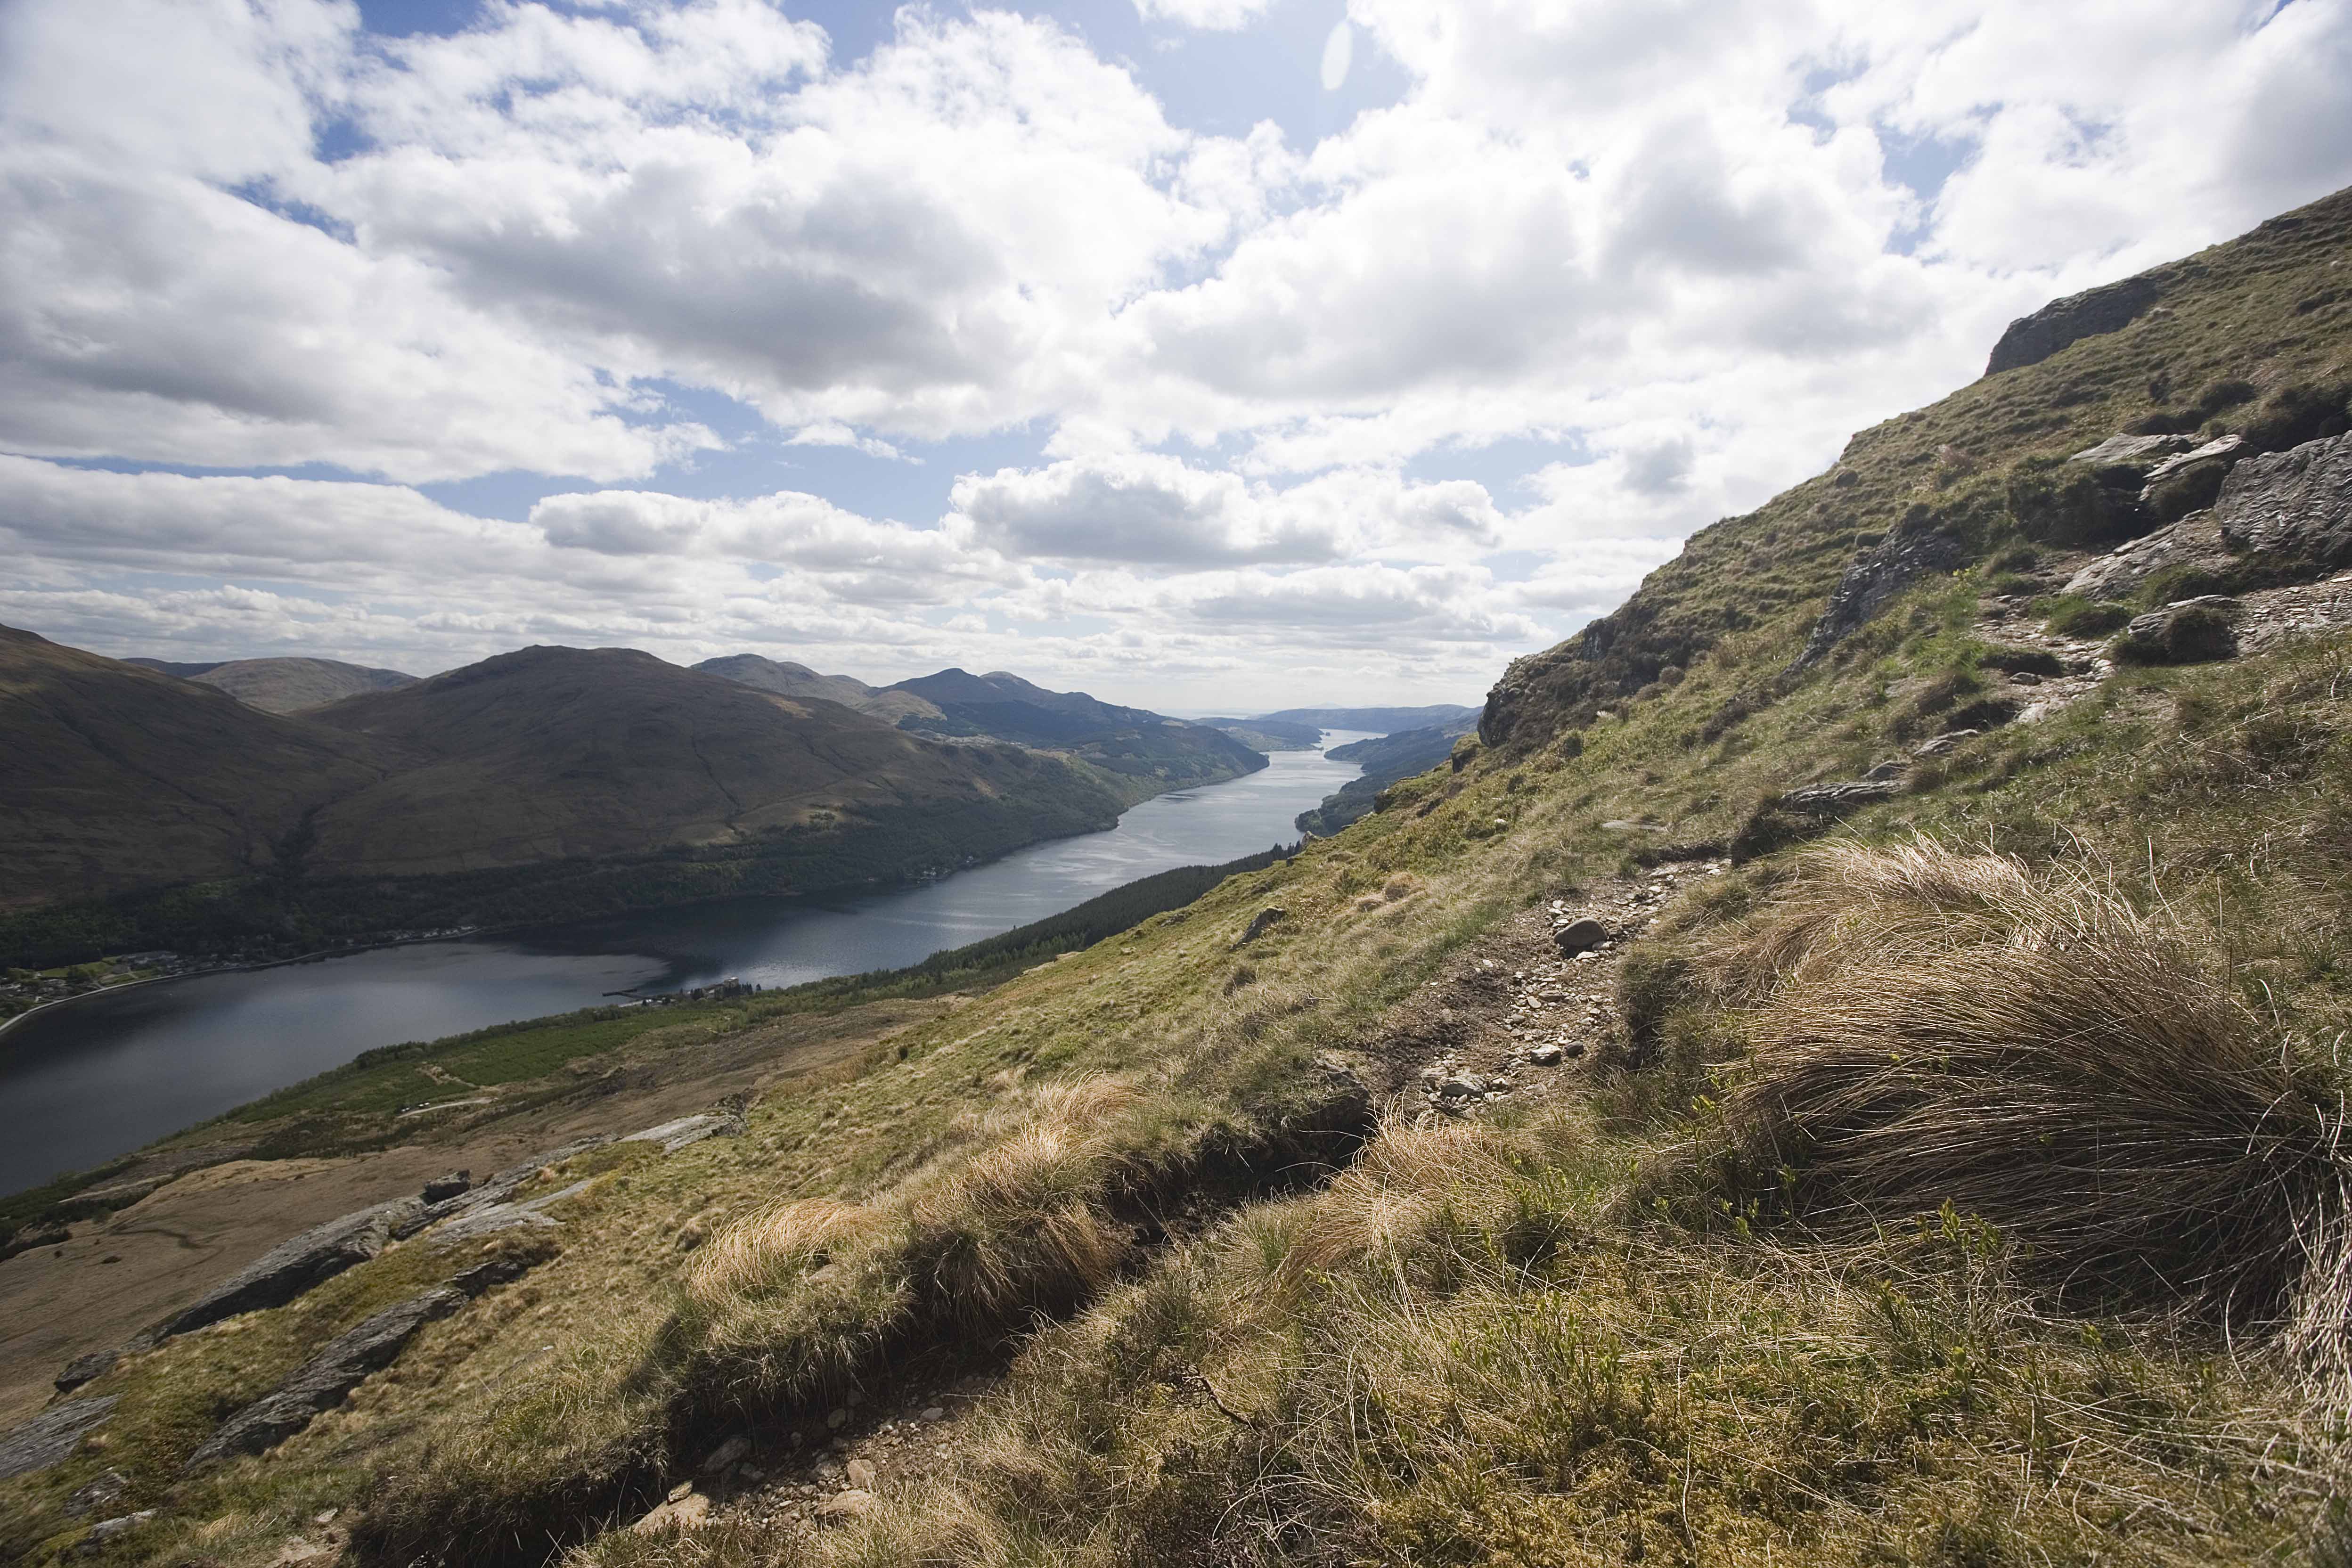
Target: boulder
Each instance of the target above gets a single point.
(442, 1188)
(1579, 936)
(1461, 1085)
(726, 1454)
(861, 1474)
(324, 1379)
(1545, 1056)
(293, 1267)
(2292, 507)
(844, 1506)
(86, 1369)
(2189, 481)
(2190, 631)
(2032, 339)
(51, 1436)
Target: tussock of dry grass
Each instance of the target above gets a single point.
(1943, 1028)
(1406, 1178)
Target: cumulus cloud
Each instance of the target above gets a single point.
(1216, 15)
(1666, 257)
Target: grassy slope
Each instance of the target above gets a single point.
(1490, 1348)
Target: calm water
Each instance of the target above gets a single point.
(83, 1083)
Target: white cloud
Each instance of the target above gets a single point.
(1635, 267)
(1214, 15)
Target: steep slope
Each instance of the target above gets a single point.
(786, 679)
(1149, 752)
(1979, 1200)
(554, 754)
(119, 777)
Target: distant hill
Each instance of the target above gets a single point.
(548, 782)
(1151, 752)
(121, 777)
(1385, 759)
(284, 685)
(1270, 734)
(1379, 720)
(564, 753)
(786, 679)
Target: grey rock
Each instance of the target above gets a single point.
(51, 1436)
(1579, 936)
(1545, 1056)
(2189, 481)
(1461, 1085)
(855, 1502)
(324, 1379)
(1916, 547)
(1261, 922)
(497, 1271)
(498, 1188)
(861, 1474)
(727, 1453)
(294, 1267)
(933, 1413)
(2120, 458)
(101, 1491)
(106, 1530)
(2061, 323)
(675, 1135)
(2190, 631)
(86, 1368)
(1836, 799)
(2225, 450)
(1891, 768)
(489, 1220)
(2193, 541)
(2292, 507)
(442, 1188)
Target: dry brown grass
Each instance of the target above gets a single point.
(1845, 898)
(1945, 1028)
(1019, 1227)
(772, 1250)
(1406, 1178)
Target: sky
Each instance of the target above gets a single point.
(1215, 355)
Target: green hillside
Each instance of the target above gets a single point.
(1847, 1070)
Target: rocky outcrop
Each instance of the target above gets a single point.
(324, 1379)
(2189, 480)
(1802, 814)
(2195, 541)
(2292, 507)
(725, 1121)
(2064, 322)
(1921, 545)
(32, 1236)
(51, 1436)
(291, 1267)
(86, 1369)
(2192, 631)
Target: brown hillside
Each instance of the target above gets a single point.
(117, 778)
(553, 753)
(786, 679)
(293, 685)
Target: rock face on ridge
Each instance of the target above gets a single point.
(291, 1267)
(2061, 323)
(2294, 505)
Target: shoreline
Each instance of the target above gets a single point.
(470, 933)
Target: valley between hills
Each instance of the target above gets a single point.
(150, 812)
(1843, 1064)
